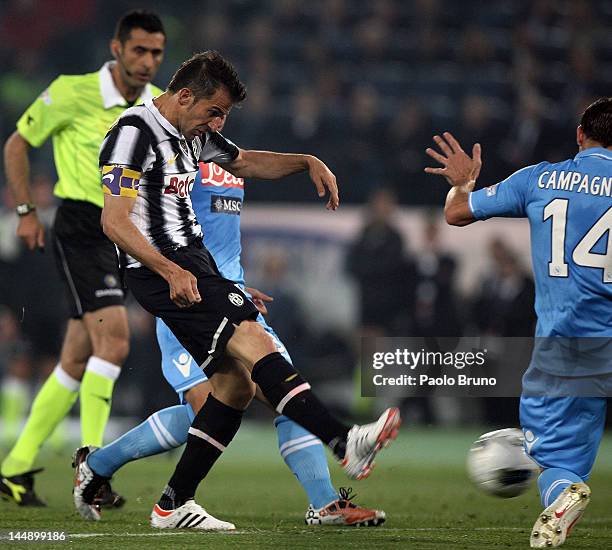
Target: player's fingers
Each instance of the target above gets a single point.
(437, 171)
(317, 180)
(477, 153)
(334, 198)
(40, 240)
(443, 145)
(436, 156)
(453, 142)
(194, 290)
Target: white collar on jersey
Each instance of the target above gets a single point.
(162, 119)
(111, 96)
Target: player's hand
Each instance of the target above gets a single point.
(324, 178)
(31, 231)
(259, 299)
(184, 288)
(458, 167)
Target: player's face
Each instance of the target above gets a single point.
(206, 114)
(139, 57)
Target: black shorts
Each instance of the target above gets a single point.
(204, 328)
(86, 258)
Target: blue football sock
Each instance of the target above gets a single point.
(162, 431)
(304, 455)
(552, 482)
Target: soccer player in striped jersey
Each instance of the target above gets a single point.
(569, 207)
(217, 199)
(149, 160)
(76, 111)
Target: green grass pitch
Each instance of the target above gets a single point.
(420, 482)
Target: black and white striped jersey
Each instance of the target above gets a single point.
(145, 157)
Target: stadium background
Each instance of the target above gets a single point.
(364, 85)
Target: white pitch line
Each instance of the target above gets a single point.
(172, 534)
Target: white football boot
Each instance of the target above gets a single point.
(86, 485)
(555, 523)
(364, 442)
(188, 516)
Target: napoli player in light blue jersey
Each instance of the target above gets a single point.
(217, 198)
(569, 208)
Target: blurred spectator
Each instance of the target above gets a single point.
(435, 311)
(505, 305)
(377, 262)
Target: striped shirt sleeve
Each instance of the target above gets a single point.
(218, 149)
(123, 155)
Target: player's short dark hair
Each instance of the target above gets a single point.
(138, 19)
(203, 73)
(596, 121)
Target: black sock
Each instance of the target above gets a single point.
(212, 430)
(290, 395)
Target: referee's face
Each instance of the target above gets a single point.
(203, 115)
(139, 57)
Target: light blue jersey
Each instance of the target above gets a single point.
(569, 206)
(217, 201)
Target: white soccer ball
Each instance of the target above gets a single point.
(498, 464)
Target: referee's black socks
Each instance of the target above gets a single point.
(291, 395)
(211, 432)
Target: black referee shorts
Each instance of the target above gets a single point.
(86, 258)
(204, 328)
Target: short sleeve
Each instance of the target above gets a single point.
(218, 149)
(507, 199)
(127, 144)
(123, 155)
(53, 110)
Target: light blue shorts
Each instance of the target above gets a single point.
(180, 369)
(561, 432)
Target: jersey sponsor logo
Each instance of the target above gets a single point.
(215, 176)
(108, 292)
(236, 299)
(120, 181)
(225, 205)
(180, 184)
(183, 364)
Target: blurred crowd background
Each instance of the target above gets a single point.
(364, 85)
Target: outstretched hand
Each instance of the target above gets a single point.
(458, 167)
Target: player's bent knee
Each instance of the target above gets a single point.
(250, 343)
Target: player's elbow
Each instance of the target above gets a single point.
(458, 216)
(14, 146)
(108, 225)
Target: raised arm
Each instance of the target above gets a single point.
(269, 165)
(461, 171)
(17, 168)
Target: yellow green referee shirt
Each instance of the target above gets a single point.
(77, 111)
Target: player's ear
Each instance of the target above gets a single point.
(579, 136)
(115, 48)
(185, 96)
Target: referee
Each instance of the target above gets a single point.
(76, 111)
